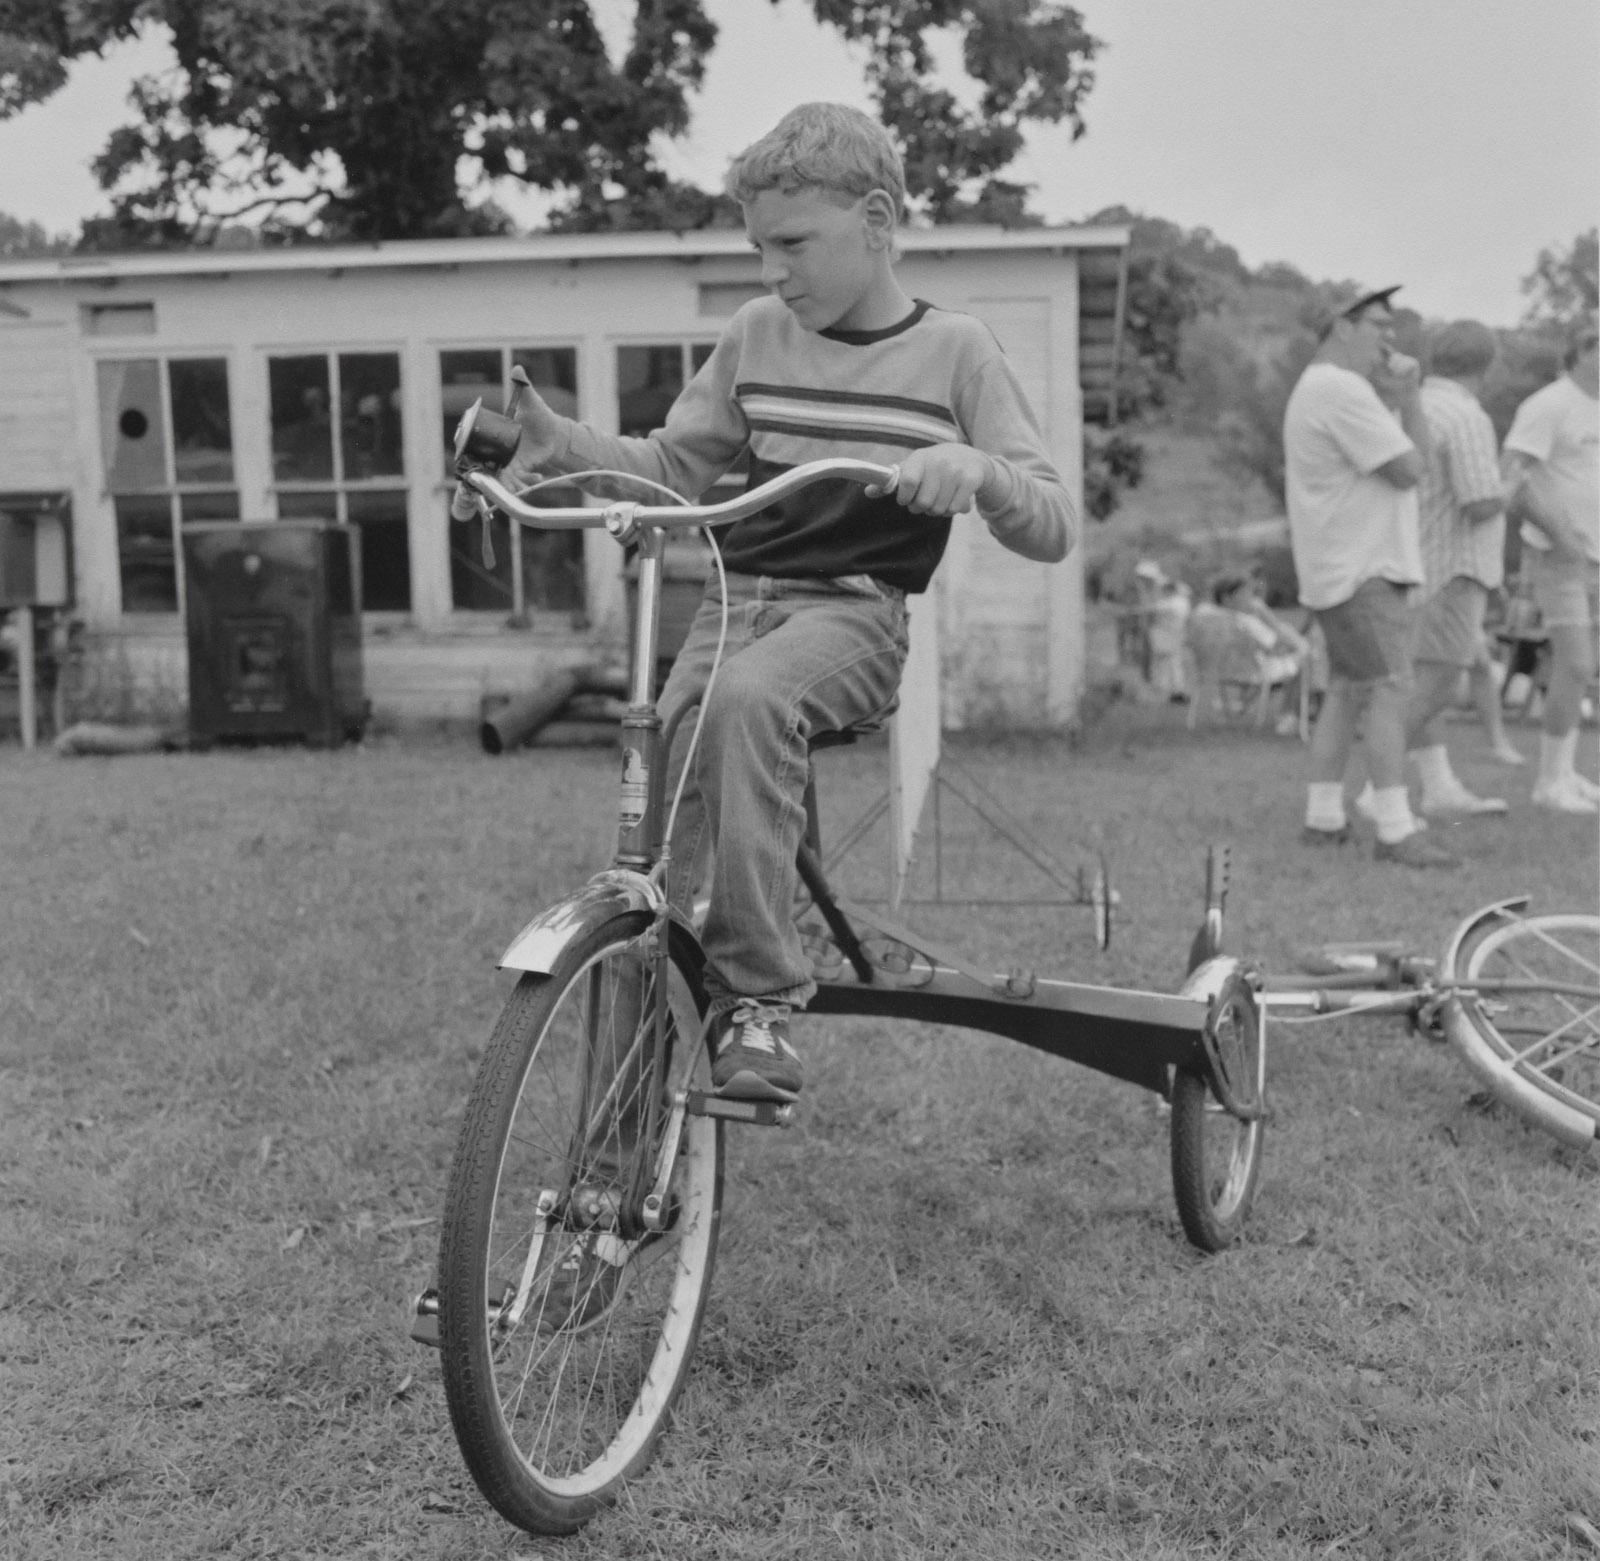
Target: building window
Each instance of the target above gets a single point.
(166, 437)
(648, 382)
(337, 455)
(527, 570)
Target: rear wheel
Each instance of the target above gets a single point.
(566, 1327)
(1529, 1021)
(1216, 1155)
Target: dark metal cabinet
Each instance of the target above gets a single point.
(273, 611)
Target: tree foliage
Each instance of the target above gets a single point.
(20, 239)
(1564, 285)
(380, 119)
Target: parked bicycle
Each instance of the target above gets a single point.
(1517, 995)
(592, 1127)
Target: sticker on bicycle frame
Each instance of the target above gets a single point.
(635, 789)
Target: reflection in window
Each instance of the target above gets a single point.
(146, 553)
(369, 415)
(302, 432)
(208, 506)
(385, 557)
(648, 382)
(202, 433)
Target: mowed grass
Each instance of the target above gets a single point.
(241, 1000)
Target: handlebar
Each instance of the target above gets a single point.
(622, 518)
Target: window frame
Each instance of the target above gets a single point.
(336, 483)
(520, 613)
(173, 491)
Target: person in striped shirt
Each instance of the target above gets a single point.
(1463, 531)
(837, 359)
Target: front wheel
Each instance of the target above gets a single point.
(1527, 1017)
(1216, 1154)
(566, 1326)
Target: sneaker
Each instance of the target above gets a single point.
(1363, 804)
(1459, 800)
(753, 1057)
(586, 1281)
(1414, 851)
(1507, 755)
(1562, 796)
(1310, 836)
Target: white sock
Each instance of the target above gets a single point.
(1558, 757)
(1325, 805)
(1433, 765)
(1391, 812)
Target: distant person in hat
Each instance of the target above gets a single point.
(1463, 527)
(1552, 469)
(1355, 447)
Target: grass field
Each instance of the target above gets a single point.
(240, 1005)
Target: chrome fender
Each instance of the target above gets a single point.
(613, 893)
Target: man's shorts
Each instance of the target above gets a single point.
(1450, 625)
(1566, 591)
(1369, 636)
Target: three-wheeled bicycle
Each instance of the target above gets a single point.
(592, 1137)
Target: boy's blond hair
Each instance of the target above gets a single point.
(824, 146)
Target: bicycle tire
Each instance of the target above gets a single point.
(556, 1409)
(1537, 1050)
(1216, 1156)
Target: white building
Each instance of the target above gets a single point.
(154, 389)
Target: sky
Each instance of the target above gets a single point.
(1437, 143)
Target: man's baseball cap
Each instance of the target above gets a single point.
(1339, 309)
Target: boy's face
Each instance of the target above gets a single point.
(821, 253)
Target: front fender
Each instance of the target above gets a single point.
(541, 943)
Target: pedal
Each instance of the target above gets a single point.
(757, 1113)
(425, 1319)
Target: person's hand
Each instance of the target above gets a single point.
(943, 479)
(541, 431)
(1398, 377)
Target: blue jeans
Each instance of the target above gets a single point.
(802, 657)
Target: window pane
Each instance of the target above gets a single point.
(385, 553)
(145, 553)
(302, 434)
(699, 353)
(133, 432)
(463, 378)
(648, 382)
(308, 506)
(474, 585)
(369, 415)
(202, 434)
(553, 372)
(208, 506)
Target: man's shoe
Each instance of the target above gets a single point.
(1324, 837)
(587, 1278)
(752, 1057)
(1414, 851)
(1458, 799)
(1562, 796)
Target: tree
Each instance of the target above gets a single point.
(376, 119)
(19, 239)
(1564, 285)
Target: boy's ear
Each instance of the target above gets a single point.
(881, 218)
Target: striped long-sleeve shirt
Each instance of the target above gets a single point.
(791, 395)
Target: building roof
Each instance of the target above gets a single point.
(1101, 252)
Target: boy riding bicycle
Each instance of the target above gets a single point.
(839, 360)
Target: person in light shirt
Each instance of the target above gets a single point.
(1356, 444)
(1551, 462)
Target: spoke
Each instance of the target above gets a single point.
(1592, 966)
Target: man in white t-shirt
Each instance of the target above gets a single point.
(1552, 468)
(1355, 444)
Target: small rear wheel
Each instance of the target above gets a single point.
(1216, 1155)
(1528, 1020)
(566, 1327)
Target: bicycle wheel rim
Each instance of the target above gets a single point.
(1549, 1039)
(569, 1410)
